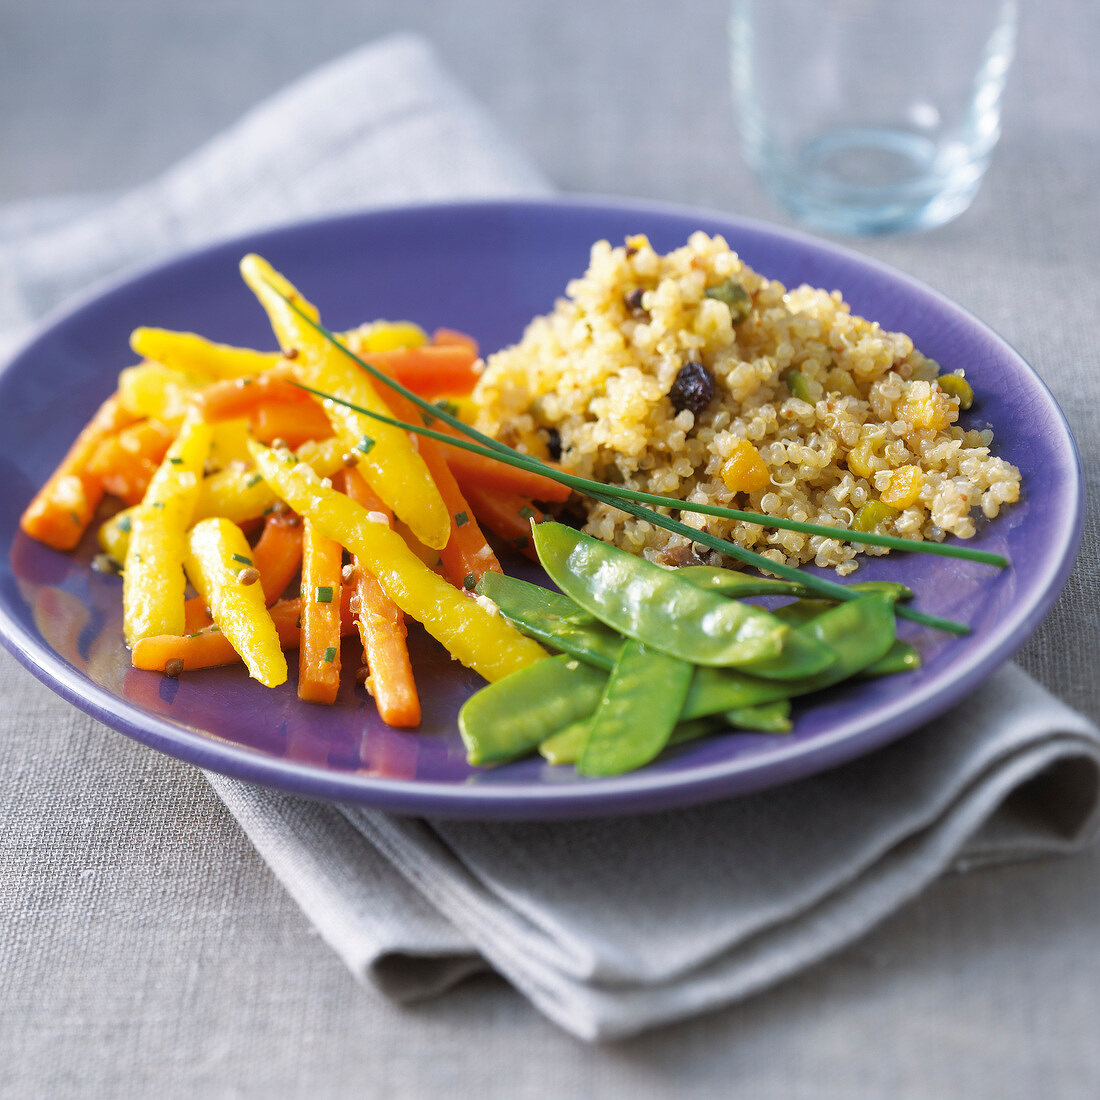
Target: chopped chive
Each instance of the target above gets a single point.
(158, 503)
(175, 460)
(330, 654)
(365, 445)
(324, 594)
(447, 406)
(124, 524)
(469, 582)
(461, 519)
(241, 558)
(215, 629)
(428, 419)
(255, 479)
(527, 512)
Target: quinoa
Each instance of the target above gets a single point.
(870, 424)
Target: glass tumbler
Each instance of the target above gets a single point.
(871, 116)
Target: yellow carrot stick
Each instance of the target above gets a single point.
(477, 637)
(388, 458)
(195, 355)
(150, 389)
(240, 493)
(219, 564)
(153, 582)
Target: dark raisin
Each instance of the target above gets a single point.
(693, 388)
(553, 443)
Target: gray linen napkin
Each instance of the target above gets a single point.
(609, 927)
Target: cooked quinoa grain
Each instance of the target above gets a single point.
(815, 413)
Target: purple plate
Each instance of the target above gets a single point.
(488, 268)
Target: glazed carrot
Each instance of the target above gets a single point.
(239, 396)
(446, 337)
(429, 370)
(125, 461)
(472, 470)
(382, 629)
(64, 506)
(196, 616)
(293, 422)
(467, 556)
(209, 648)
(507, 515)
(278, 553)
(319, 649)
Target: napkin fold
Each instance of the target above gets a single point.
(609, 926)
(613, 926)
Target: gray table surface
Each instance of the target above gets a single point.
(194, 974)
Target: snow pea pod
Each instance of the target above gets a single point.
(768, 717)
(639, 709)
(565, 746)
(739, 585)
(859, 632)
(653, 605)
(510, 717)
(900, 657)
(552, 618)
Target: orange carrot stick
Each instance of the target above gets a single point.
(125, 461)
(278, 553)
(382, 630)
(448, 336)
(62, 509)
(319, 649)
(430, 369)
(210, 648)
(472, 470)
(195, 615)
(467, 556)
(507, 515)
(293, 422)
(239, 396)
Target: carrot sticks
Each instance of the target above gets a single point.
(382, 630)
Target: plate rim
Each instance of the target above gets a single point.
(634, 792)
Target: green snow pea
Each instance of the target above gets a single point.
(731, 582)
(510, 717)
(900, 657)
(637, 713)
(859, 633)
(768, 717)
(552, 618)
(654, 606)
(565, 746)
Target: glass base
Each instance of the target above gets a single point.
(874, 180)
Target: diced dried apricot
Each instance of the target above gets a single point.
(744, 470)
(904, 488)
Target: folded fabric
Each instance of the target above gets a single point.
(614, 926)
(608, 926)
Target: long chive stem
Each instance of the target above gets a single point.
(587, 486)
(633, 502)
(610, 495)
